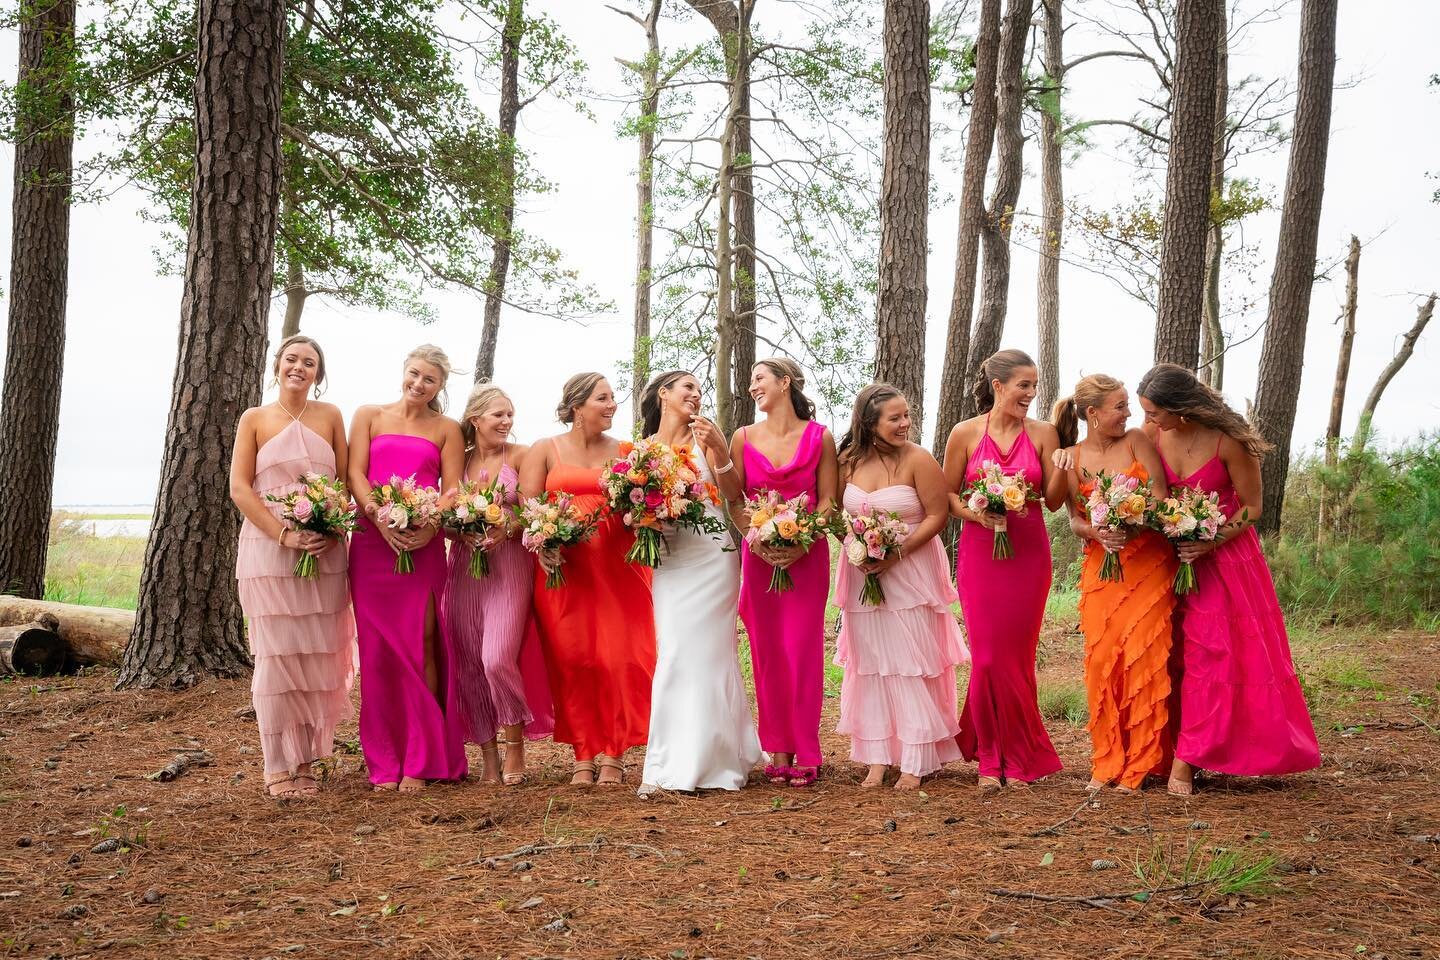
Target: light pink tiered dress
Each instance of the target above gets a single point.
(897, 701)
(302, 633)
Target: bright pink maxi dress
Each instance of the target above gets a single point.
(1241, 708)
(897, 701)
(302, 634)
(404, 730)
(1004, 605)
(787, 630)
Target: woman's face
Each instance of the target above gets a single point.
(766, 389)
(1112, 417)
(683, 394)
(422, 381)
(493, 426)
(598, 410)
(893, 425)
(1016, 394)
(1163, 419)
(298, 367)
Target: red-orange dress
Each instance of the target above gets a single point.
(1127, 627)
(598, 632)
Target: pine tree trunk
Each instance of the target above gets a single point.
(999, 217)
(1283, 353)
(1402, 356)
(39, 262)
(742, 205)
(500, 257)
(904, 204)
(1347, 345)
(187, 621)
(1212, 334)
(295, 296)
(1187, 183)
(645, 206)
(978, 143)
(1052, 212)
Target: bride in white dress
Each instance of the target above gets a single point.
(701, 732)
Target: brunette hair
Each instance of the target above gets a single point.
(289, 342)
(783, 367)
(483, 396)
(1176, 390)
(1090, 392)
(998, 366)
(433, 355)
(650, 399)
(575, 392)
(859, 441)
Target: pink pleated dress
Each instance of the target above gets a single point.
(787, 630)
(897, 701)
(404, 730)
(302, 634)
(1241, 708)
(490, 620)
(1004, 606)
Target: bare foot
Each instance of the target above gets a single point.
(386, 787)
(1182, 779)
(306, 785)
(989, 785)
(286, 786)
(1018, 785)
(875, 777)
(411, 785)
(907, 781)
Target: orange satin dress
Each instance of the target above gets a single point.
(1127, 627)
(597, 632)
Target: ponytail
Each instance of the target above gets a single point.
(998, 366)
(1066, 418)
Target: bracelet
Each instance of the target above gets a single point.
(729, 465)
(281, 539)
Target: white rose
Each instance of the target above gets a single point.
(1186, 524)
(855, 551)
(399, 519)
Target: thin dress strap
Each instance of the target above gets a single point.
(291, 415)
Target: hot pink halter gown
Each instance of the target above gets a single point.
(404, 731)
(787, 630)
(1004, 605)
(1241, 708)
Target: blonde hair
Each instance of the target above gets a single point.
(1090, 392)
(437, 358)
(289, 342)
(575, 392)
(483, 396)
(783, 367)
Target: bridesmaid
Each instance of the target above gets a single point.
(1004, 600)
(897, 701)
(1241, 708)
(787, 630)
(701, 734)
(302, 633)
(598, 630)
(1127, 624)
(488, 618)
(410, 718)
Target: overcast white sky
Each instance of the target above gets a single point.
(1385, 143)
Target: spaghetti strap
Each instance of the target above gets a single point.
(1219, 440)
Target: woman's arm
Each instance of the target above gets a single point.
(452, 457)
(1056, 483)
(1245, 475)
(242, 480)
(827, 474)
(1149, 458)
(357, 472)
(533, 468)
(934, 496)
(338, 442)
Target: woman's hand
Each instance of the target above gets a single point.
(986, 519)
(549, 559)
(880, 566)
(781, 557)
(1191, 550)
(1063, 458)
(309, 541)
(1112, 540)
(709, 437)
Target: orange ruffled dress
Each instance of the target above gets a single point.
(1127, 627)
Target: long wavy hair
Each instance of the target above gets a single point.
(860, 441)
(483, 396)
(650, 399)
(1176, 390)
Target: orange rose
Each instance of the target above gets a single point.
(1133, 506)
(638, 477)
(788, 529)
(1014, 498)
(626, 448)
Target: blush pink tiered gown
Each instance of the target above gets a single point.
(404, 730)
(1004, 605)
(302, 634)
(1241, 708)
(897, 701)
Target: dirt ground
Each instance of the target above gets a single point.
(1344, 861)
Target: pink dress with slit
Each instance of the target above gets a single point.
(405, 731)
(302, 634)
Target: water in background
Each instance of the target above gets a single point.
(107, 520)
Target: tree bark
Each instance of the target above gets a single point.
(904, 204)
(1187, 183)
(95, 635)
(188, 621)
(1052, 211)
(999, 217)
(978, 143)
(1407, 347)
(295, 297)
(645, 204)
(1347, 343)
(509, 119)
(1212, 339)
(39, 263)
(1283, 354)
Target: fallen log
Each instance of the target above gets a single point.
(95, 635)
(34, 648)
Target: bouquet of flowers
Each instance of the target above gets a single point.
(478, 506)
(780, 523)
(405, 504)
(552, 521)
(997, 492)
(1188, 515)
(875, 534)
(1117, 501)
(322, 507)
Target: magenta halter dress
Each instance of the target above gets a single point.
(404, 731)
(787, 630)
(1004, 604)
(1241, 708)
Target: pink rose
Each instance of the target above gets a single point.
(303, 509)
(620, 467)
(1099, 512)
(654, 498)
(978, 501)
(637, 495)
